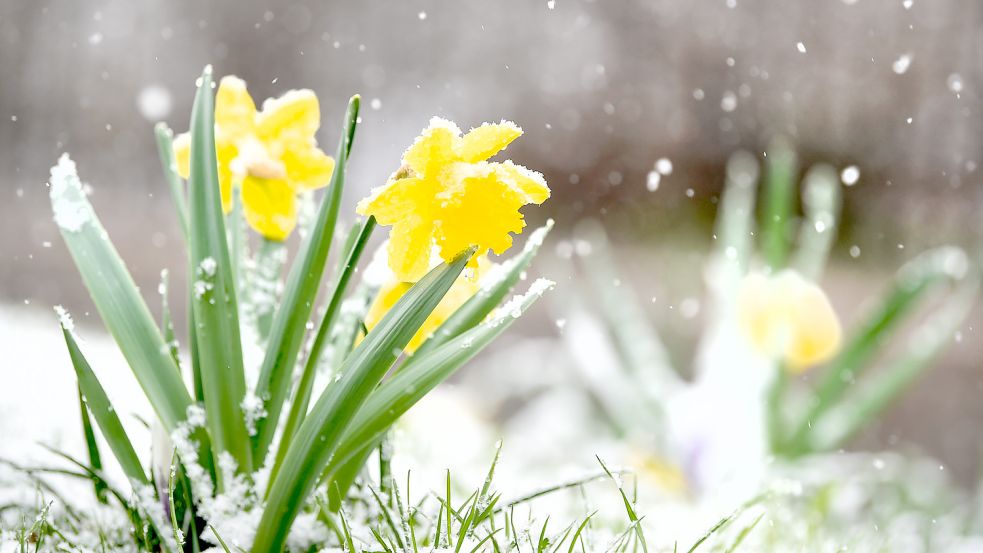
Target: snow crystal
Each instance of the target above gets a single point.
(728, 102)
(800, 47)
(653, 180)
(65, 318)
(850, 175)
(154, 102)
(901, 65)
(955, 82)
(664, 166)
(71, 210)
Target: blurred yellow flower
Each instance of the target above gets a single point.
(790, 318)
(272, 154)
(447, 194)
(461, 291)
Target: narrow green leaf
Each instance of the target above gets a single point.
(104, 413)
(735, 220)
(911, 284)
(317, 439)
(414, 381)
(165, 147)
(213, 301)
(299, 294)
(91, 447)
(490, 296)
(779, 202)
(878, 392)
(116, 297)
(821, 203)
(298, 407)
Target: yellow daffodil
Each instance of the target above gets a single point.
(272, 154)
(463, 288)
(447, 194)
(790, 318)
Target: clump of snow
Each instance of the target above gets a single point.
(208, 266)
(515, 306)
(252, 411)
(65, 319)
(850, 175)
(71, 209)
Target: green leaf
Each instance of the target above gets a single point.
(104, 413)
(779, 203)
(490, 296)
(821, 203)
(884, 386)
(116, 297)
(299, 294)
(735, 221)
(318, 438)
(213, 302)
(416, 379)
(357, 239)
(165, 147)
(912, 283)
(91, 447)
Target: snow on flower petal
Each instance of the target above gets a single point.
(447, 194)
(269, 152)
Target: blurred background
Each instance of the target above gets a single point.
(603, 90)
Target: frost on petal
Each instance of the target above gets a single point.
(530, 185)
(290, 119)
(433, 149)
(487, 140)
(71, 209)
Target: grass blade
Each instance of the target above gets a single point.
(291, 318)
(318, 438)
(213, 302)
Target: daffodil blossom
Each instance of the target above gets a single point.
(789, 318)
(447, 194)
(272, 154)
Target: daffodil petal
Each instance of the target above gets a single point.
(487, 140)
(308, 168)
(409, 248)
(477, 209)
(225, 152)
(290, 120)
(235, 112)
(270, 207)
(182, 154)
(398, 198)
(434, 148)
